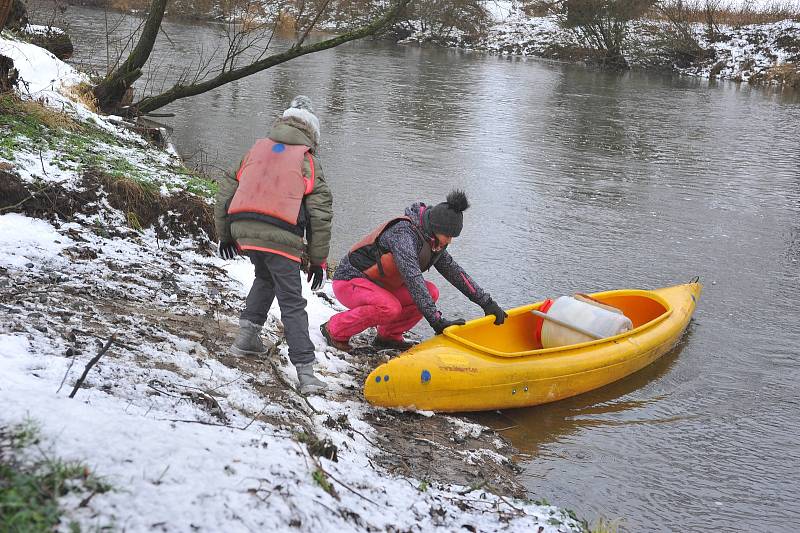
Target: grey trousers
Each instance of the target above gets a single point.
(279, 276)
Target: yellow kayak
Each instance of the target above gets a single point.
(480, 366)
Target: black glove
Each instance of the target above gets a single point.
(493, 309)
(318, 274)
(441, 323)
(228, 250)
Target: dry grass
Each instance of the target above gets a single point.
(82, 92)
(129, 195)
(286, 23)
(701, 11)
(33, 110)
(179, 214)
(787, 74)
(604, 525)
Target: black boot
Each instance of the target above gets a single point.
(343, 346)
(391, 344)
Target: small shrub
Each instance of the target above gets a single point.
(318, 447)
(536, 8)
(787, 74)
(678, 40)
(29, 491)
(444, 18)
(322, 481)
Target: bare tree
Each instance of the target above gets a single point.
(712, 7)
(602, 24)
(442, 17)
(247, 52)
(678, 38)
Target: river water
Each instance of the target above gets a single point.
(579, 180)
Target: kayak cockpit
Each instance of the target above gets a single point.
(516, 336)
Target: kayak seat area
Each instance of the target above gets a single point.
(517, 333)
(640, 309)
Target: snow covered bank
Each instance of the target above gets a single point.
(188, 437)
(756, 52)
(44, 76)
(750, 53)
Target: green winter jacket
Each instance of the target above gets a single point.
(319, 205)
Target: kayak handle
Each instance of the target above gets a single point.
(566, 324)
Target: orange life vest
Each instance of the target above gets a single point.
(378, 263)
(272, 185)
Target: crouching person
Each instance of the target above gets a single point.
(380, 279)
(279, 196)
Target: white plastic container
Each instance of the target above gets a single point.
(586, 316)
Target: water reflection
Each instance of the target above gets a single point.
(282, 84)
(533, 427)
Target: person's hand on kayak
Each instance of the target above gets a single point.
(492, 308)
(441, 323)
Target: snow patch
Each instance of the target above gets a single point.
(26, 240)
(42, 73)
(36, 29)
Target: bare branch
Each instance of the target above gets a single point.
(313, 23)
(90, 364)
(179, 90)
(72, 362)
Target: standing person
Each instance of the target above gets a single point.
(279, 195)
(380, 279)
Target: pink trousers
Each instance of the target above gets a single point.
(394, 312)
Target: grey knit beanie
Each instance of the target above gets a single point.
(301, 109)
(447, 217)
(302, 101)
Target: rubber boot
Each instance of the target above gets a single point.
(309, 383)
(248, 341)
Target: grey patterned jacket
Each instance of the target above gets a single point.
(405, 243)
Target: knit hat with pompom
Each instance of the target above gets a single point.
(446, 218)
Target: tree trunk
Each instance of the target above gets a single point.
(13, 14)
(111, 91)
(5, 10)
(8, 75)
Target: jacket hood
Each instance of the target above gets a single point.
(291, 130)
(414, 212)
